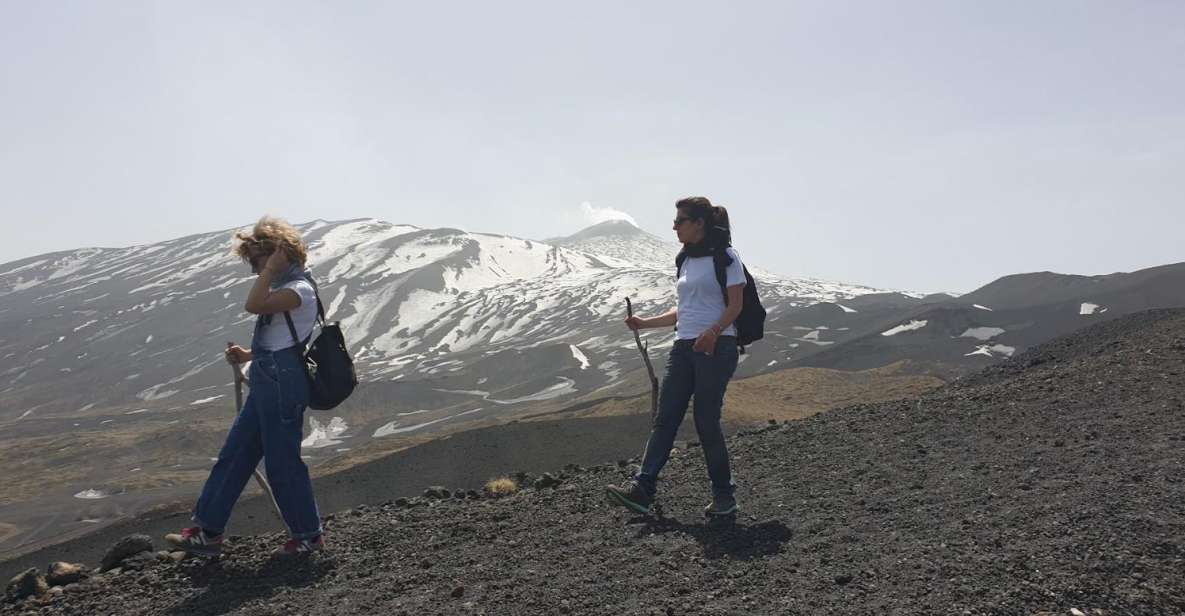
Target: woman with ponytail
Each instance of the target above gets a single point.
(702, 360)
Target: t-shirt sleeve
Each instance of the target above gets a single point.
(308, 297)
(734, 274)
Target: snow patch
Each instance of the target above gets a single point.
(580, 357)
(92, 494)
(393, 427)
(992, 350)
(206, 400)
(908, 327)
(1089, 308)
(325, 435)
(982, 333)
(565, 387)
(845, 308)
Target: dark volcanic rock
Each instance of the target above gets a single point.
(547, 480)
(437, 492)
(61, 574)
(124, 548)
(28, 584)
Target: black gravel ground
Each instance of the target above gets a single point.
(1050, 484)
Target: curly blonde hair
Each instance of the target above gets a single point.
(270, 234)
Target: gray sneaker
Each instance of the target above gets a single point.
(195, 541)
(721, 506)
(630, 495)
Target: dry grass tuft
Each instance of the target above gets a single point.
(501, 486)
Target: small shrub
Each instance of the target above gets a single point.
(501, 486)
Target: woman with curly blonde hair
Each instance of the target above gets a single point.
(269, 424)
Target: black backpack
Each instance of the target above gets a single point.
(328, 364)
(750, 324)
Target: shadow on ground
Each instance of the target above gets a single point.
(229, 587)
(721, 538)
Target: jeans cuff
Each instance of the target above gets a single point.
(198, 521)
(308, 535)
(648, 484)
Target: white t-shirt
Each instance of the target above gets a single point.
(701, 302)
(275, 335)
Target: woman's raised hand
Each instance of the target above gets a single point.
(277, 261)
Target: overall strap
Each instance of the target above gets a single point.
(292, 330)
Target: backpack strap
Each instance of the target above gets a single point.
(721, 273)
(320, 316)
(317, 295)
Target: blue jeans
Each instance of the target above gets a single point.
(269, 427)
(706, 377)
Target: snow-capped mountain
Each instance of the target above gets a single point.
(621, 243)
(143, 326)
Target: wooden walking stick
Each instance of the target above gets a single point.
(263, 485)
(629, 312)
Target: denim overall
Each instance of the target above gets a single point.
(268, 426)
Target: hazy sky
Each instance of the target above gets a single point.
(913, 145)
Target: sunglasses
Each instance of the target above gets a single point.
(682, 219)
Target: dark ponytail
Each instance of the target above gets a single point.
(717, 229)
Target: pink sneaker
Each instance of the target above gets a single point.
(298, 547)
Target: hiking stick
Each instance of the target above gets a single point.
(629, 312)
(263, 485)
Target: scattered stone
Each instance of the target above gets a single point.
(27, 584)
(61, 574)
(140, 561)
(437, 492)
(547, 481)
(402, 503)
(843, 579)
(125, 548)
(458, 592)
